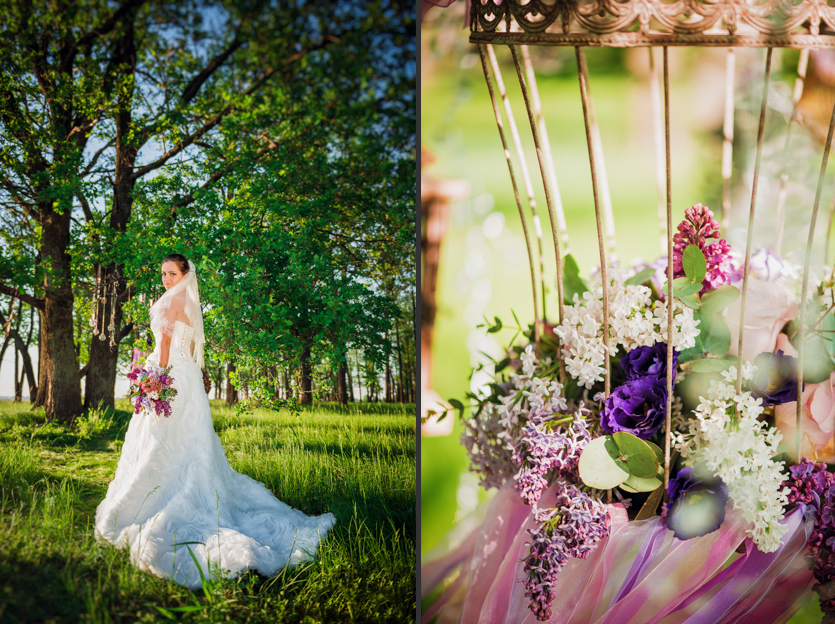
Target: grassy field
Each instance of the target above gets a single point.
(358, 463)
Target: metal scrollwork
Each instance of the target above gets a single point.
(629, 23)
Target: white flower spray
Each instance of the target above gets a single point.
(634, 321)
(739, 450)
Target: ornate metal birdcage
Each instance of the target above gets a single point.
(652, 24)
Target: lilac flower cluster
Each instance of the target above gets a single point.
(572, 528)
(812, 485)
(490, 456)
(699, 226)
(543, 448)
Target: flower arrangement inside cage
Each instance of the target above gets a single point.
(661, 450)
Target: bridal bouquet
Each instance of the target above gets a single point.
(579, 434)
(151, 389)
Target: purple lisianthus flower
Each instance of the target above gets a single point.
(638, 407)
(697, 504)
(648, 362)
(776, 379)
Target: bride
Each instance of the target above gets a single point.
(174, 489)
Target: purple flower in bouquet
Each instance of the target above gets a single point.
(699, 226)
(776, 379)
(151, 390)
(543, 448)
(572, 528)
(639, 407)
(648, 362)
(812, 485)
(697, 504)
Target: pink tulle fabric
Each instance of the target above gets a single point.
(640, 574)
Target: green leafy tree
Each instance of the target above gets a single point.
(99, 100)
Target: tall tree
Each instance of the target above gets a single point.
(94, 99)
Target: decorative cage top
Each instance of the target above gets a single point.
(634, 23)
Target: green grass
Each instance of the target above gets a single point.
(358, 463)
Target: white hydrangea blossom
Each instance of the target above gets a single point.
(739, 451)
(634, 321)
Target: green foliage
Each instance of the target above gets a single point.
(572, 283)
(694, 264)
(612, 460)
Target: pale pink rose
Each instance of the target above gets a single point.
(431, 401)
(817, 422)
(768, 307)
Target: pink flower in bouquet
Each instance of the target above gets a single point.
(817, 421)
(768, 307)
(699, 226)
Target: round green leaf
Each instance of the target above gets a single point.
(638, 455)
(693, 263)
(636, 484)
(709, 366)
(714, 301)
(597, 464)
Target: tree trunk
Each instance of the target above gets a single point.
(218, 381)
(342, 383)
(350, 381)
(18, 380)
(400, 360)
(359, 378)
(62, 396)
(231, 393)
(306, 378)
(40, 398)
(100, 385)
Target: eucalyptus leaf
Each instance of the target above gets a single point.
(638, 455)
(708, 365)
(693, 263)
(718, 339)
(828, 334)
(597, 464)
(641, 277)
(691, 301)
(638, 484)
(714, 301)
(678, 284)
(572, 283)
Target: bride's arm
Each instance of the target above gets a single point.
(175, 310)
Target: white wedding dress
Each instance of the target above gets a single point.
(174, 484)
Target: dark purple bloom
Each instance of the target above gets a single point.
(813, 486)
(697, 504)
(648, 362)
(776, 379)
(638, 406)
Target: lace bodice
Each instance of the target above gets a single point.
(182, 342)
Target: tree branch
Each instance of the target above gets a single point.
(127, 292)
(217, 175)
(127, 329)
(199, 80)
(35, 302)
(95, 158)
(184, 143)
(109, 24)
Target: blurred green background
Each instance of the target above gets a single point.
(483, 267)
